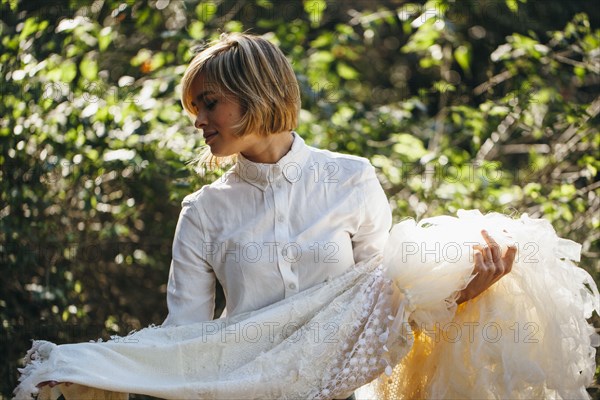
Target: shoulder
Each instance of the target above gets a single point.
(210, 191)
(346, 166)
(347, 160)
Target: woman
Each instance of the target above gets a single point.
(286, 216)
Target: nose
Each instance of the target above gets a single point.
(201, 120)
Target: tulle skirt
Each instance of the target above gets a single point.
(525, 337)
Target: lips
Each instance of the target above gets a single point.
(209, 135)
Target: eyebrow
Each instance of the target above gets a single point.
(202, 95)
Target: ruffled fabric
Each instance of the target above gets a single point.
(525, 337)
(322, 343)
(396, 323)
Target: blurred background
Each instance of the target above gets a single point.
(459, 104)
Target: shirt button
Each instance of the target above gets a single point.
(278, 184)
(280, 218)
(292, 286)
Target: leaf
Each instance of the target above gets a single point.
(234, 26)
(323, 40)
(314, 9)
(158, 60)
(196, 30)
(68, 71)
(206, 11)
(89, 67)
(462, 55)
(346, 71)
(321, 57)
(105, 38)
(512, 5)
(409, 146)
(29, 28)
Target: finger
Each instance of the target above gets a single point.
(509, 257)
(487, 254)
(476, 252)
(483, 249)
(480, 266)
(493, 245)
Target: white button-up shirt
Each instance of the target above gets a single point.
(269, 231)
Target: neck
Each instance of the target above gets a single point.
(270, 149)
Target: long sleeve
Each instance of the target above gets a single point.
(375, 219)
(191, 285)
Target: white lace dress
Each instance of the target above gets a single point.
(393, 323)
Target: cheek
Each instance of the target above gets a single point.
(234, 116)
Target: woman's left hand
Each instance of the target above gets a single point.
(490, 266)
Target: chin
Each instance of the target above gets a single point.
(218, 153)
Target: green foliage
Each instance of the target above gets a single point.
(489, 105)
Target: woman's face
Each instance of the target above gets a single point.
(217, 113)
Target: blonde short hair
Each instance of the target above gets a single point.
(257, 73)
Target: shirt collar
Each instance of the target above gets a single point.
(290, 166)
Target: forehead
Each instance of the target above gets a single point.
(202, 86)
